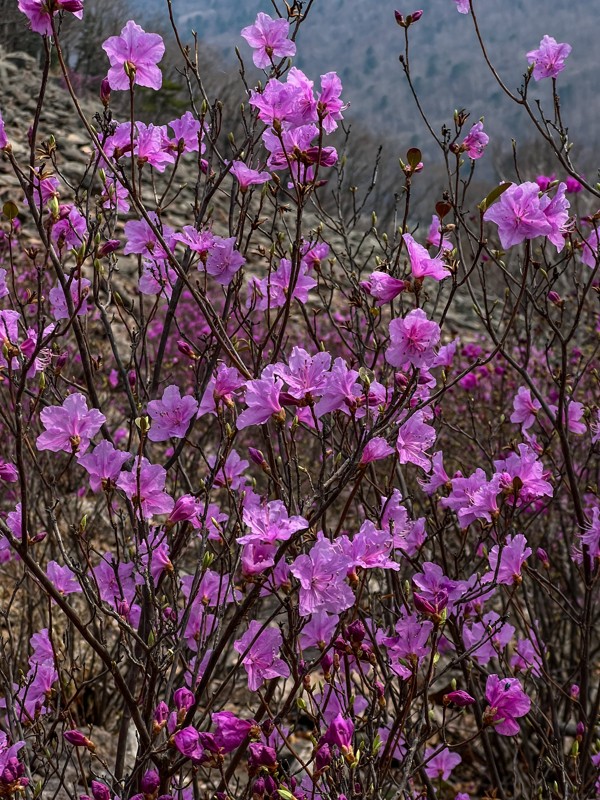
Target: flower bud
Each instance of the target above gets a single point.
(100, 791)
(150, 782)
(459, 698)
(77, 739)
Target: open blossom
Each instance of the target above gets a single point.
(78, 289)
(462, 6)
(422, 266)
(525, 408)
(224, 260)
(330, 106)
(374, 450)
(261, 661)
(145, 486)
(415, 436)
(39, 16)
(262, 401)
(322, 575)
(103, 465)
(549, 58)
(441, 763)
(413, 340)
(171, 415)
(134, 55)
(246, 176)
(270, 523)
(522, 214)
(435, 238)
(476, 141)
(69, 427)
(591, 250)
(268, 38)
(507, 701)
(512, 557)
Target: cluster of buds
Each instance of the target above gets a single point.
(406, 22)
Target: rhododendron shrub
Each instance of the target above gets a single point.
(294, 506)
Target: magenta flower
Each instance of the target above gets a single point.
(375, 450)
(273, 291)
(512, 557)
(262, 401)
(64, 580)
(171, 415)
(549, 58)
(435, 238)
(224, 260)
(268, 38)
(187, 133)
(519, 214)
(103, 465)
(305, 375)
(3, 137)
(525, 408)
(246, 176)
(383, 287)
(79, 290)
(341, 391)
(151, 146)
(270, 523)
(413, 340)
(134, 56)
(591, 250)
(322, 575)
(70, 427)
(475, 141)
(459, 698)
(507, 701)
(230, 731)
(339, 733)
(187, 741)
(261, 662)
(573, 185)
(144, 485)
(329, 104)
(415, 436)
(39, 15)
(439, 764)
(421, 264)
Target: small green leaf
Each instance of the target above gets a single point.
(493, 196)
(10, 210)
(413, 157)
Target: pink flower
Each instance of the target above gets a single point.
(70, 427)
(375, 450)
(224, 260)
(144, 485)
(512, 557)
(187, 741)
(341, 391)
(321, 575)
(134, 56)
(383, 287)
(270, 523)
(103, 465)
(78, 289)
(273, 291)
(439, 764)
(525, 408)
(305, 375)
(246, 176)
(171, 415)
(549, 58)
(64, 580)
(230, 731)
(151, 146)
(3, 137)
(261, 662)
(573, 185)
(268, 39)
(262, 401)
(421, 264)
(462, 6)
(414, 438)
(476, 141)
(330, 106)
(507, 701)
(591, 251)
(435, 237)
(413, 340)
(40, 17)
(522, 214)
(187, 134)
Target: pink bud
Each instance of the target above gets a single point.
(459, 698)
(77, 739)
(109, 247)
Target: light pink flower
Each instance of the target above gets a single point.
(507, 701)
(103, 465)
(246, 176)
(413, 340)
(268, 39)
(38, 14)
(261, 661)
(422, 266)
(70, 427)
(144, 485)
(171, 415)
(135, 52)
(549, 58)
(476, 141)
